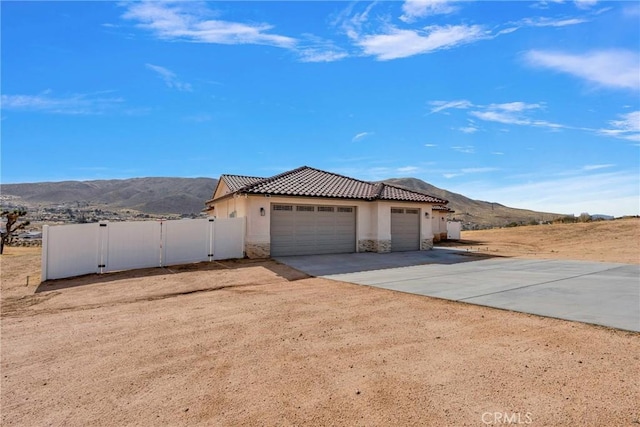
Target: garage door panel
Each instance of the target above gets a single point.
(312, 229)
(405, 229)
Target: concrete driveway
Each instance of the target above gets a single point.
(600, 293)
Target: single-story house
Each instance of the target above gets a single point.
(308, 211)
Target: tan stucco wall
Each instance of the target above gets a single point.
(373, 219)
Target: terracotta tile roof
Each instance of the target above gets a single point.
(442, 208)
(310, 182)
(236, 182)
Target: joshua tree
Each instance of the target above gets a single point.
(11, 226)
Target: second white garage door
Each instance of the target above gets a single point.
(312, 229)
(405, 229)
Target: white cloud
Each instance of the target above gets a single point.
(596, 167)
(445, 105)
(170, 78)
(514, 107)
(397, 43)
(321, 55)
(408, 169)
(618, 69)
(585, 4)
(548, 22)
(466, 149)
(361, 136)
(513, 113)
(628, 127)
(188, 21)
(414, 9)
(468, 129)
(75, 104)
(467, 171)
(430, 145)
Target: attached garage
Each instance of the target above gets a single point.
(405, 229)
(312, 229)
(307, 211)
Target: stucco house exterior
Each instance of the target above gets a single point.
(439, 222)
(309, 211)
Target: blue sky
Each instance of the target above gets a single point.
(529, 104)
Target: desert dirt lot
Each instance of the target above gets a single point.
(257, 343)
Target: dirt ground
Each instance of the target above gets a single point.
(605, 241)
(257, 343)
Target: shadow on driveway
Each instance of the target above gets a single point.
(323, 265)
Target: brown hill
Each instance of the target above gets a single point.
(147, 195)
(476, 213)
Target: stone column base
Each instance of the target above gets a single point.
(426, 244)
(257, 250)
(372, 245)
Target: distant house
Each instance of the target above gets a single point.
(309, 211)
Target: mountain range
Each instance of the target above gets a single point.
(186, 196)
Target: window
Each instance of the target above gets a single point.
(411, 211)
(340, 209)
(304, 208)
(397, 210)
(325, 209)
(282, 207)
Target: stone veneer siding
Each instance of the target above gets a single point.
(370, 245)
(257, 250)
(426, 244)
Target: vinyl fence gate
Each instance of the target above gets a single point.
(77, 249)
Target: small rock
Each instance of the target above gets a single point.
(186, 409)
(357, 391)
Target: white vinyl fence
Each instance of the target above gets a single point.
(74, 250)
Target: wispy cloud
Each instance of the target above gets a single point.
(430, 145)
(361, 136)
(194, 22)
(170, 78)
(468, 129)
(614, 193)
(311, 48)
(512, 113)
(618, 69)
(408, 169)
(397, 43)
(550, 22)
(597, 167)
(438, 106)
(74, 104)
(191, 22)
(466, 149)
(468, 171)
(627, 127)
(585, 4)
(415, 9)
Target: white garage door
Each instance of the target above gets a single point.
(405, 229)
(312, 229)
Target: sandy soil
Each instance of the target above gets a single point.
(605, 241)
(257, 343)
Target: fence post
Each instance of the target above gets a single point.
(211, 224)
(103, 240)
(45, 243)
